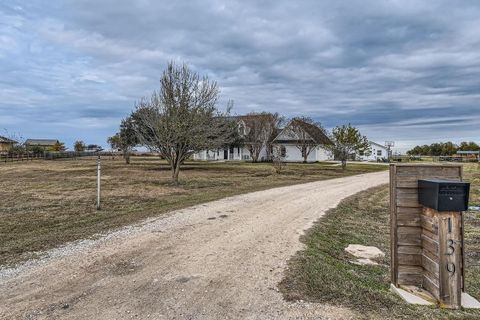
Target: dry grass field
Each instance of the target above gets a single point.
(47, 203)
(323, 271)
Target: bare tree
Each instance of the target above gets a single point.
(261, 129)
(347, 141)
(254, 134)
(307, 135)
(278, 159)
(272, 125)
(182, 117)
(17, 142)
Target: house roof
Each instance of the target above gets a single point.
(377, 144)
(6, 140)
(41, 142)
(315, 132)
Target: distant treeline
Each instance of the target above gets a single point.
(443, 149)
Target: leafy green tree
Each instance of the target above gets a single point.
(115, 142)
(126, 139)
(443, 148)
(419, 150)
(36, 149)
(469, 146)
(449, 148)
(57, 147)
(347, 141)
(79, 146)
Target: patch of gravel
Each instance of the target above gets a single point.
(95, 241)
(182, 265)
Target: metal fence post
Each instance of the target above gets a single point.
(98, 182)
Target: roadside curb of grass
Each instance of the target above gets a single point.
(322, 271)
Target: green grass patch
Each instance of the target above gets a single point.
(45, 204)
(324, 273)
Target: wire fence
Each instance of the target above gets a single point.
(453, 158)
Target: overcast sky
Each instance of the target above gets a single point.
(407, 71)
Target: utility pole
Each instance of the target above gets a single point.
(99, 169)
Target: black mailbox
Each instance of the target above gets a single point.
(443, 195)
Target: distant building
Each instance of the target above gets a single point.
(377, 152)
(6, 144)
(469, 155)
(44, 144)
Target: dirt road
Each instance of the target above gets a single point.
(220, 260)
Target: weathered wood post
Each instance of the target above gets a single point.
(442, 261)
(443, 202)
(427, 237)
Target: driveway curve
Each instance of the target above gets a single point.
(218, 260)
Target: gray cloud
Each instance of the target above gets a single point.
(401, 70)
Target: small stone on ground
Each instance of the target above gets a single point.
(365, 254)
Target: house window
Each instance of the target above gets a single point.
(379, 152)
(283, 151)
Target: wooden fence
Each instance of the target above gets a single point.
(15, 157)
(29, 156)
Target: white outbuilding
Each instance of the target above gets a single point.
(377, 152)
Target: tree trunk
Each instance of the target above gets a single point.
(175, 176)
(344, 164)
(175, 172)
(253, 153)
(126, 155)
(268, 150)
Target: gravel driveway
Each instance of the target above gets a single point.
(219, 260)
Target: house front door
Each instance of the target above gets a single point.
(225, 154)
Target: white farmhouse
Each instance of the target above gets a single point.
(232, 152)
(235, 153)
(284, 139)
(377, 152)
(289, 143)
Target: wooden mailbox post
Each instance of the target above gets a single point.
(442, 256)
(426, 244)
